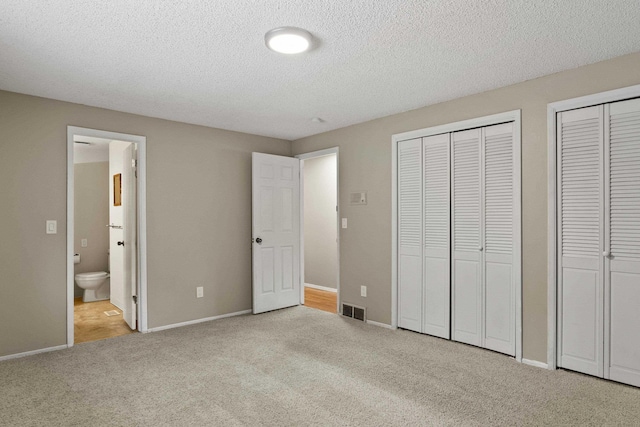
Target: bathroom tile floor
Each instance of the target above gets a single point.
(91, 324)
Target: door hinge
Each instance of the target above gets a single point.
(135, 299)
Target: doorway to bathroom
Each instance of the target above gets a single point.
(106, 234)
(320, 233)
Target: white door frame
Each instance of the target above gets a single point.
(509, 116)
(141, 142)
(302, 158)
(553, 298)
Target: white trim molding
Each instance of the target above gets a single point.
(552, 146)
(381, 325)
(535, 363)
(32, 352)
(509, 116)
(194, 322)
(141, 142)
(320, 288)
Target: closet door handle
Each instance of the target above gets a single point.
(606, 254)
(481, 249)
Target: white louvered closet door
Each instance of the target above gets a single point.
(622, 242)
(499, 272)
(580, 202)
(437, 251)
(466, 268)
(410, 235)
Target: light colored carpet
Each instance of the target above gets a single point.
(294, 367)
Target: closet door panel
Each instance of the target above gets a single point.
(437, 252)
(623, 240)
(410, 235)
(499, 308)
(499, 281)
(466, 237)
(580, 201)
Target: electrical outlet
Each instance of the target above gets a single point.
(199, 292)
(83, 243)
(363, 291)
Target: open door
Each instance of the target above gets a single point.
(276, 232)
(130, 236)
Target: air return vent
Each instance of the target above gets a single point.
(355, 312)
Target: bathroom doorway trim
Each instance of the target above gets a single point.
(141, 142)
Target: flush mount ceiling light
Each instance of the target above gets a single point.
(288, 40)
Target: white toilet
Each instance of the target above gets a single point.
(95, 284)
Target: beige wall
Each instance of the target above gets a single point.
(198, 216)
(199, 204)
(320, 222)
(365, 164)
(91, 193)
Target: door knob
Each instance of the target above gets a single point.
(121, 243)
(606, 254)
(259, 241)
(481, 249)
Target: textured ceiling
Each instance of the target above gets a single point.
(204, 61)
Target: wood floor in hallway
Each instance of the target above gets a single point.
(90, 322)
(322, 300)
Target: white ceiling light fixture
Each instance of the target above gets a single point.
(288, 40)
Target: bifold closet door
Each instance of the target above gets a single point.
(466, 268)
(498, 241)
(622, 241)
(483, 256)
(437, 251)
(410, 211)
(580, 261)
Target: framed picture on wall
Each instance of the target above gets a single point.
(117, 189)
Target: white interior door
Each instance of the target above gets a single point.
(467, 234)
(622, 242)
(276, 232)
(580, 240)
(437, 250)
(410, 235)
(129, 207)
(499, 220)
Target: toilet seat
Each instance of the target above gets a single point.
(92, 275)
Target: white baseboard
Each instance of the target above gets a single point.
(382, 325)
(32, 352)
(193, 322)
(535, 363)
(322, 288)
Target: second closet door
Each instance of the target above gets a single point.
(483, 274)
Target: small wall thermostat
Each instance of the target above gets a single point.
(358, 198)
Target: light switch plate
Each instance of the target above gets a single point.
(83, 243)
(344, 222)
(199, 292)
(363, 291)
(52, 226)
